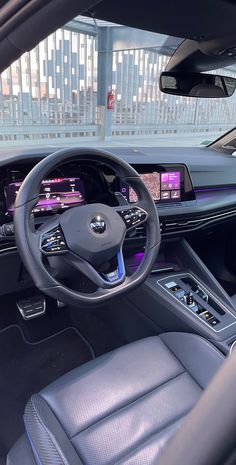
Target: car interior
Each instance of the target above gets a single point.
(117, 268)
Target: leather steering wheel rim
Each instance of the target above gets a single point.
(29, 240)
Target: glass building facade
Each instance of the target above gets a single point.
(53, 85)
(52, 92)
(144, 105)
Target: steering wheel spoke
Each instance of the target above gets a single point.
(132, 215)
(102, 277)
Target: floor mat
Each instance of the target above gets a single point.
(26, 368)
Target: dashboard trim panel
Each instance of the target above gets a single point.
(8, 249)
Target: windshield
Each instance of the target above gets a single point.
(97, 83)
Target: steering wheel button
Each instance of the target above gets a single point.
(53, 241)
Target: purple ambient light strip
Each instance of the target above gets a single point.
(215, 189)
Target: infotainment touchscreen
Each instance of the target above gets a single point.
(164, 186)
(55, 194)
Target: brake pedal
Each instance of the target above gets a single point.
(32, 307)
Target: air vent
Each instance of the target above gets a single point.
(185, 225)
(182, 225)
(141, 231)
(169, 205)
(6, 246)
(229, 52)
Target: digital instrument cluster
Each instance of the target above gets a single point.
(55, 194)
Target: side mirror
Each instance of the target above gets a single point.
(197, 85)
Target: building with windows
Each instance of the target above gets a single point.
(59, 89)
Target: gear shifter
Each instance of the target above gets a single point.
(188, 298)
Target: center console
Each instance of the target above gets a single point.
(181, 294)
(198, 300)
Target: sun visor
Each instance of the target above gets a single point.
(25, 29)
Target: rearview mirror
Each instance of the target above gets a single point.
(197, 85)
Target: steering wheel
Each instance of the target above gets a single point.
(87, 238)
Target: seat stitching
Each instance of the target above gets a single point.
(100, 420)
(190, 374)
(49, 433)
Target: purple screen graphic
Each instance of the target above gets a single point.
(55, 194)
(170, 181)
(170, 185)
(164, 187)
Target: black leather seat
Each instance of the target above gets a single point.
(121, 408)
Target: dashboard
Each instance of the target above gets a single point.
(194, 190)
(77, 184)
(190, 195)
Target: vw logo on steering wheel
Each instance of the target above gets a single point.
(98, 225)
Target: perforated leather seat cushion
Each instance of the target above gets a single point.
(123, 407)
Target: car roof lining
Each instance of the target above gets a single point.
(207, 25)
(201, 20)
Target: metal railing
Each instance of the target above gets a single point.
(54, 131)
